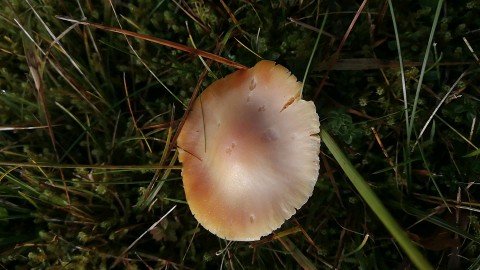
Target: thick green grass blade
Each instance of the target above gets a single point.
(375, 204)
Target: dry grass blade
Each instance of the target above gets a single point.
(140, 59)
(312, 28)
(160, 41)
(437, 108)
(187, 10)
(471, 49)
(14, 128)
(302, 260)
(374, 63)
(142, 235)
(36, 67)
(385, 153)
(230, 14)
(89, 166)
(334, 58)
(127, 96)
(56, 43)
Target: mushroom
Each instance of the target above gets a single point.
(249, 151)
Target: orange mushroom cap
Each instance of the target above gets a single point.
(249, 149)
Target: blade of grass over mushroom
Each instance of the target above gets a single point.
(160, 41)
(189, 107)
(422, 72)
(375, 204)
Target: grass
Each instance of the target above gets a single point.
(89, 177)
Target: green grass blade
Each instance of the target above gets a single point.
(475, 264)
(472, 154)
(421, 214)
(375, 204)
(320, 32)
(422, 71)
(400, 60)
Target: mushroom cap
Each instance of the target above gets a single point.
(249, 149)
